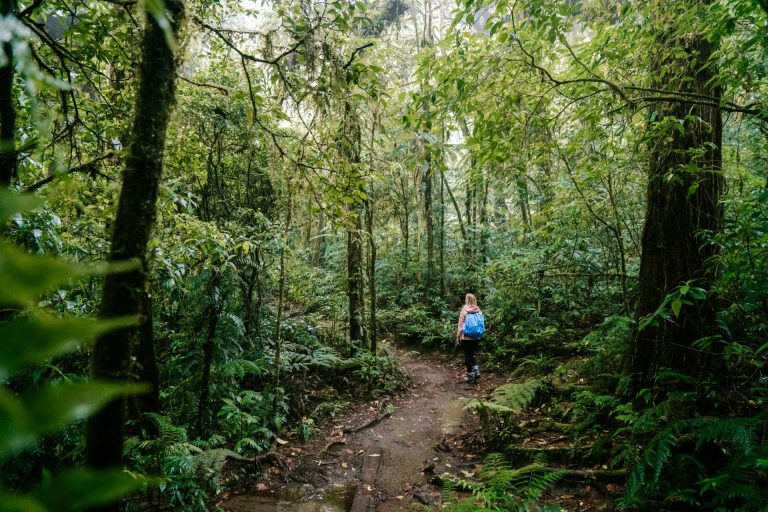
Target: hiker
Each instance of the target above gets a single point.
(471, 330)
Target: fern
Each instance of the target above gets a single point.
(296, 357)
(168, 433)
(509, 398)
(516, 396)
(502, 487)
(733, 484)
(505, 400)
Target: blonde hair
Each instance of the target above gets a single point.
(470, 300)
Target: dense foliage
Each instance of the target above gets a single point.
(335, 174)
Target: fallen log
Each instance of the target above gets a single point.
(367, 486)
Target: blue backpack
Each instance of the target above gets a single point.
(474, 325)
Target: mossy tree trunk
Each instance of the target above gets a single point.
(684, 188)
(126, 293)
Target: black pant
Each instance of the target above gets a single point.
(470, 349)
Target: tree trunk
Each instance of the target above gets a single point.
(684, 188)
(402, 269)
(429, 282)
(280, 308)
(523, 201)
(355, 284)
(317, 250)
(355, 278)
(7, 108)
(214, 313)
(441, 257)
(148, 370)
(372, 327)
(469, 239)
(124, 294)
(483, 219)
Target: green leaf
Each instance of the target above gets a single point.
(23, 420)
(14, 503)
(24, 276)
(158, 12)
(77, 489)
(33, 339)
(676, 305)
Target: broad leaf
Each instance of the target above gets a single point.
(23, 276)
(23, 420)
(77, 489)
(25, 341)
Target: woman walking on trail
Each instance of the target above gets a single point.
(471, 330)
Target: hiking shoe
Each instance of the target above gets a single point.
(470, 378)
(476, 372)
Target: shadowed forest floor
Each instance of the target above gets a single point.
(422, 434)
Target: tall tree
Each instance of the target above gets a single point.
(126, 293)
(429, 221)
(351, 140)
(684, 187)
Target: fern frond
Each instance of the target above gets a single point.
(236, 322)
(168, 433)
(516, 396)
(503, 487)
(509, 398)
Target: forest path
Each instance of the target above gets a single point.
(425, 428)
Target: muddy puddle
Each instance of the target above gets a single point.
(296, 498)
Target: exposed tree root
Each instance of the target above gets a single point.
(372, 423)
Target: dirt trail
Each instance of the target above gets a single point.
(424, 429)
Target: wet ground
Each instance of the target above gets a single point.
(419, 438)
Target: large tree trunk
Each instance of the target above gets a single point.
(7, 108)
(126, 293)
(684, 189)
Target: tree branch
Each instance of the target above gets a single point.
(756, 109)
(89, 167)
(219, 88)
(247, 56)
(357, 50)
(30, 9)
